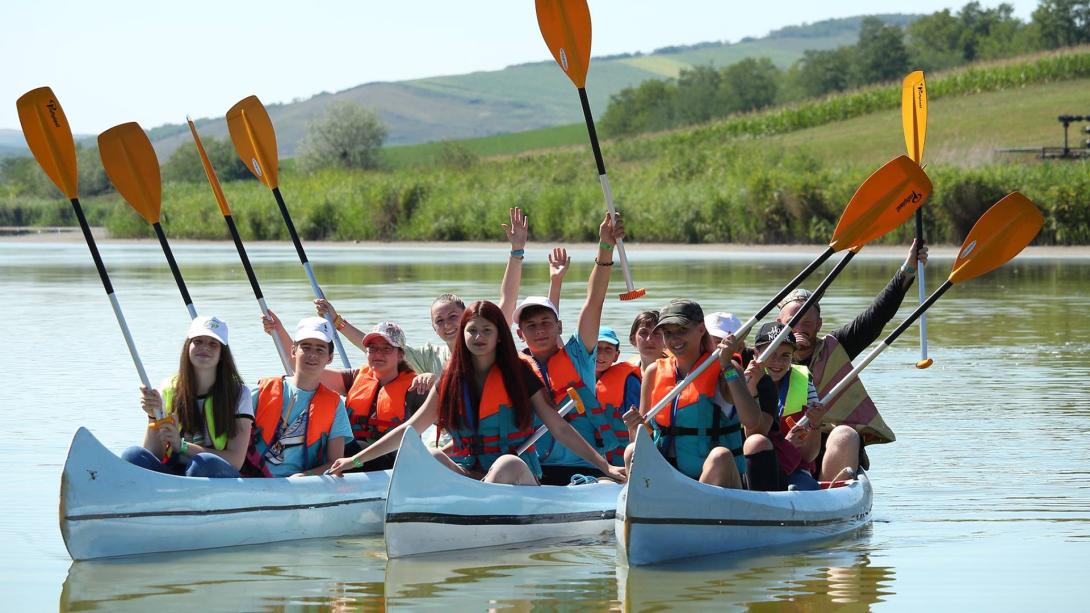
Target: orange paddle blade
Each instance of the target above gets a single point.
(50, 138)
(130, 162)
(884, 201)
(254, 138)
(565, 26)
(209, 172)
(1001, 233)
(914, 114)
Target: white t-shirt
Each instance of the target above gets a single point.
(245, 408)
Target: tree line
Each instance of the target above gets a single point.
(884, 52)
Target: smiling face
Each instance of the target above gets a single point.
(607, 355)
(481, 336)
(779, 363)
(806, 330)
(204, 352)
(445, 317)
(311, 356)
(540, 330)
(383, 357)
(683, 342)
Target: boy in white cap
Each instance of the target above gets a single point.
(300, 426)
(572, 364)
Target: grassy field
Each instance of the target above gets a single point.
(489, 146)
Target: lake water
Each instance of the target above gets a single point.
(983, 502)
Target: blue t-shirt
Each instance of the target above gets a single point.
(583, 361)
(287, 456)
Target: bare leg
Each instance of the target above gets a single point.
(510, 469)
(841, 451)
(720, 469)
(628, 451)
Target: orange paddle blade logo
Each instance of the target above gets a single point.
(50, 138)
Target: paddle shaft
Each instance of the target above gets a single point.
(541, 430)
(741, 333)
(874, 353)
(113, 298)
(604, 179)
(922, 286)
(811, 301)
(174, 270)
(310, 272)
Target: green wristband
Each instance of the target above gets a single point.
(730, 374)
(183, 448)
(605, 245)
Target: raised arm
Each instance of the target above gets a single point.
(272, 325)
(391, 441)
(517, 232)
(352, 333)
(590, 318)
(732, 384)
(559, 262)
(563, 432)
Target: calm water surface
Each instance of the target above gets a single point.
(983, 501)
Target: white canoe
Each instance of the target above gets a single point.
(431, 508)
(664, 515)
(111, 508)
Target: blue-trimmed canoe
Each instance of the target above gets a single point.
(664, 515)
(111, 508)
(430, 508)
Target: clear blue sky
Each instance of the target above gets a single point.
(112, 61)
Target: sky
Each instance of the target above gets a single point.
(113, 61)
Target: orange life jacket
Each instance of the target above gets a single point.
(610, 390)
(374, 408)
(494, 431)
(270, 407)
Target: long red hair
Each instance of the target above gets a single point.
(459, 374)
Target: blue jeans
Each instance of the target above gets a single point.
(200, 465)
(803, 480)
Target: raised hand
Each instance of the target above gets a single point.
(422, 383)
(151, 402)
(270, 322)
(559, 262)
(518, 230)
(323, 307)
(612, 229)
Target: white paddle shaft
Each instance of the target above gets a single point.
(608, 192)
(540, 432)
(318, 294)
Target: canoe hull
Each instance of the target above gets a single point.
(430, 508)
(664, 515)
(111, 508)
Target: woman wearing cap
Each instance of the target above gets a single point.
(617, 389)
(208, 411)
(701, 431)
(487, 399)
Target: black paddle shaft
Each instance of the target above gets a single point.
(591, 131)
(799, 278)
(918, 312)
(820, 289)
(291, 226)
(94, 249)
(172, 263)
(242, 255)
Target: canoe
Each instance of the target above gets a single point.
(111, 508)
(664, 515)
(430, 508)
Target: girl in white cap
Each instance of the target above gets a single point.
(208, 410)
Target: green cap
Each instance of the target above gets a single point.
(680, 313)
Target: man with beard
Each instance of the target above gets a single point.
(829, 357)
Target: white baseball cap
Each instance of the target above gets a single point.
(212, 327)
(721, 323)
(314, 327)
(531, 301)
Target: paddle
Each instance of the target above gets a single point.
(573, 402)
(914, 126)
(133, 168)
(255, 141)
(226, 210)
(565, 26)
(884, 201)
(50, 140)
(1000, 234)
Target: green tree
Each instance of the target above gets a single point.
(649, 106)
(880, 53)
(697, 94)
(346, 136)
(749, 85)
(184, 165)
(1062, 23)
(934, 41)
(823, 72)
(977, 24)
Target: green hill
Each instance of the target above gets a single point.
(522, 97)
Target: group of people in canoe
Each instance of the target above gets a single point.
(736, 425)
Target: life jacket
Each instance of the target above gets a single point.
(219, 440)
(694, 424)
(270, 407)
(373, 408)
(853, 407)
(491, 430)
(798, 384)
(610, 391)
(558, 375)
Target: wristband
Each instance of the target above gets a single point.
(602, 263)
(183, 447)
(605, 245)
(908, 270)
(730, 374)
(339, 323)
(358, 463)
(518, 253)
